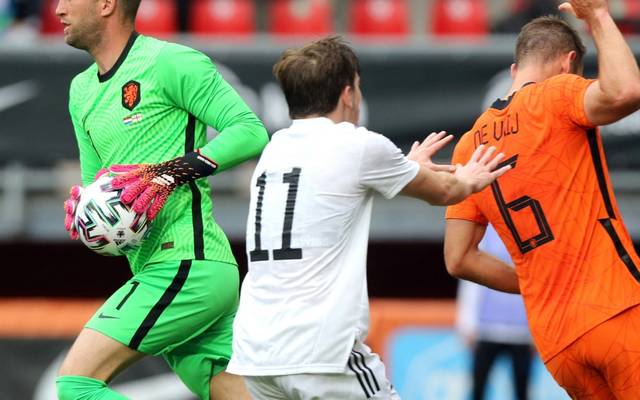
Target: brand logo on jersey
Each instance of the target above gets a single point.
(131, 95)
(105, 316)
(132, 119)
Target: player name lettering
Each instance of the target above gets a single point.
(509, 125)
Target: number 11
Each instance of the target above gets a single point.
(285, 252)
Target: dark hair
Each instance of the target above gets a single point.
(546, 38)
(130, 9)
(313, 76)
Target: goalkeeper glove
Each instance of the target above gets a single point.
(147, 186)
(70, 207)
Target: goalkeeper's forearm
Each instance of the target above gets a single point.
(236, 144)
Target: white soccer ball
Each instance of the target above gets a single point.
(105, 224)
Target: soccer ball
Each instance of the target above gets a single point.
(105, 224)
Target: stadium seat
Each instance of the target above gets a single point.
(157, 17)
(459, 17)
(49, 22)
(630, 23)
(379, 17)
(222, 17)
(301, 17)
(632, 8)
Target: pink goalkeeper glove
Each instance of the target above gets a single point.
(148, 186)
(70, 211)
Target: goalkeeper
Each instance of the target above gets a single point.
(142, 110)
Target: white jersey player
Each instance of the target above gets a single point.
(304, 312)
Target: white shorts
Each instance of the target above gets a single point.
(364, 378)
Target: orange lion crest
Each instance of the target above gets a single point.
(130, 95)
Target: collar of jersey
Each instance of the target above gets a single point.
(316, 121)
(107, 75)
(501, 104)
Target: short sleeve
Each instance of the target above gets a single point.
(564, 98)
(467, 209)
(384, 168)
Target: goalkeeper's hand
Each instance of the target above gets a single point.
(147, 186)
(70, 207)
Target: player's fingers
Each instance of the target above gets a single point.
(144, 199)
(100, 172)
(477, 153)
(120, 181)
(415, 145)
(132, 191)
(157, 205)
(443, 141)
(68, 222)
(568, 8)
(486, 157)
(429, 137)
(69, 206)
(501, 171)
(493, 164)
(73, 234)
(434, 137)
(124, 168)
(75, 192)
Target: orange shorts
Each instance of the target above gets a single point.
(604, 363)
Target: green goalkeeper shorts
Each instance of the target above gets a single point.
(182, 310)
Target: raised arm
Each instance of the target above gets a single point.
(465, 261)
(616, 93)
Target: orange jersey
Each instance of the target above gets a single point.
(554, 210)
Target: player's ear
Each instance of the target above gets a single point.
(348, 96)
(567, 62)
(514, 70)
(107, 7)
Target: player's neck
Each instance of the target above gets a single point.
(531, 74)
(107, 52)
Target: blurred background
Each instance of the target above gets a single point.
(427, 65)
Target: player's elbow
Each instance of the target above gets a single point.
(631, 93)
(454, 264)
(627, 99)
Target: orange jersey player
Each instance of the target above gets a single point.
(555, 210)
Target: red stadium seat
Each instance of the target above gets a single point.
(49, 21)
(632, 8)
(460, 17)
(379, 17)
(157, 17)
(225, 17)
(301, 17)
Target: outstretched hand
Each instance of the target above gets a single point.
(480, 171)
(422, 152)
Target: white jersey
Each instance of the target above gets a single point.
(304, 301)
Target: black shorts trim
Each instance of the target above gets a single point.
(166, 299)
(359, 375)
(364, 374)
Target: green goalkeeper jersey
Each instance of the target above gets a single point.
(155, 105)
